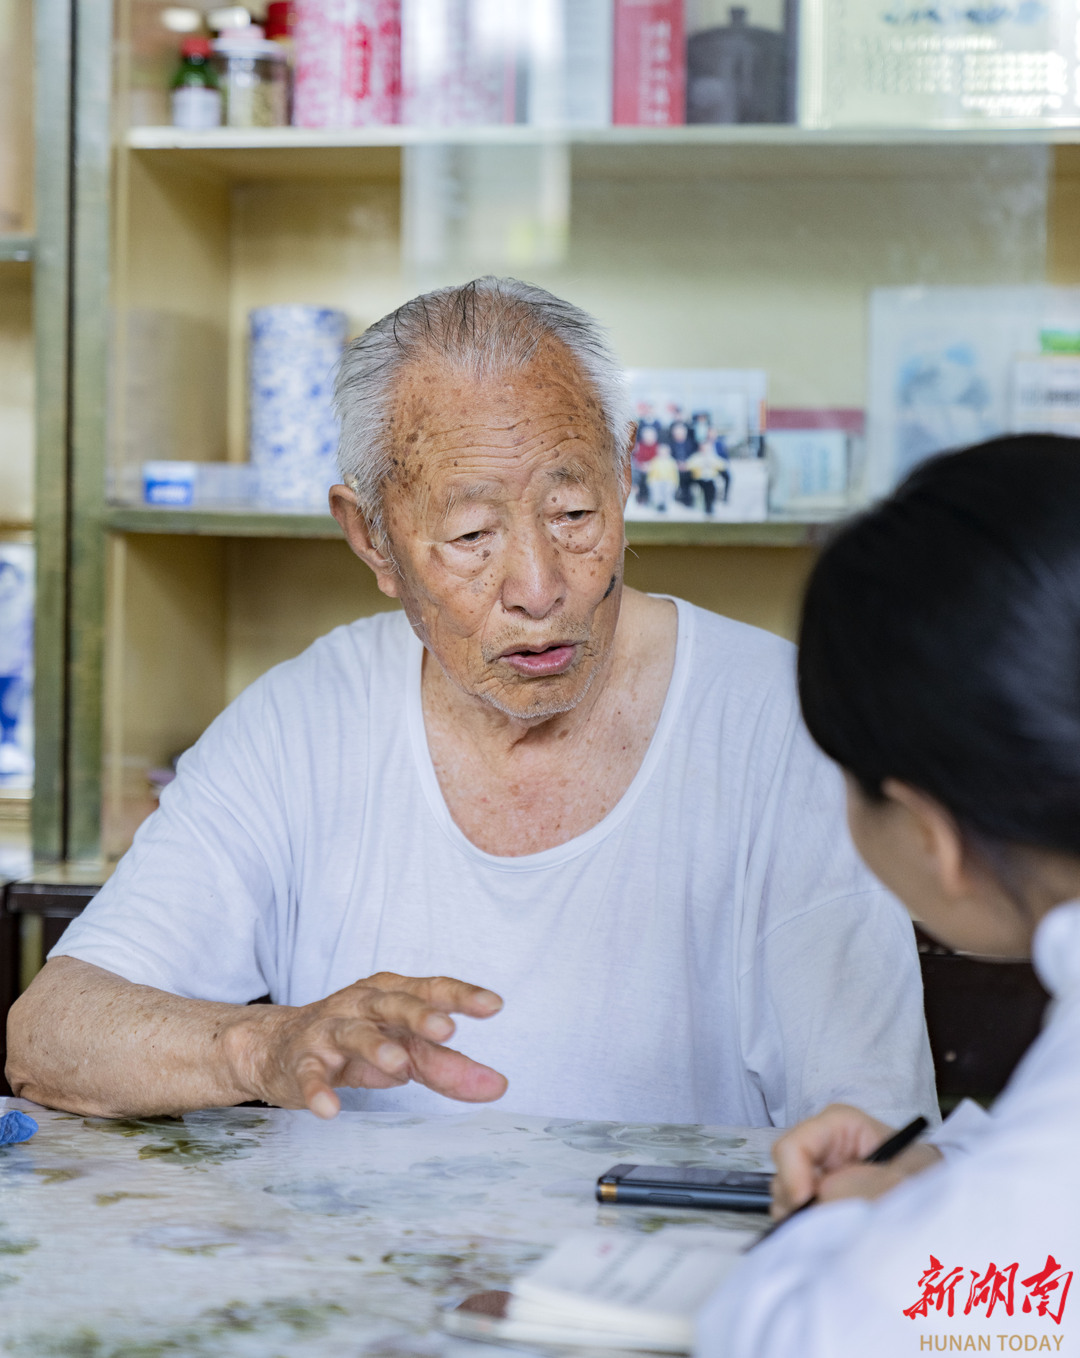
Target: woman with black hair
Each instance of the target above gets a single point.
(939, 665)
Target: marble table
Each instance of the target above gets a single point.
(267, 1233)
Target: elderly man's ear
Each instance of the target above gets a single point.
(357, 532)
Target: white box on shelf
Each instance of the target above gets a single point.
(565, 63)
(817, 460)
(589, 35)
(1046, 395)
(458, 62)
(808, 470)
(908, 64)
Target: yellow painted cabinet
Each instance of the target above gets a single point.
(698, 247)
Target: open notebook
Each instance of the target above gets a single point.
(608, 1289)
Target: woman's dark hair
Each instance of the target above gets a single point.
(940, 641)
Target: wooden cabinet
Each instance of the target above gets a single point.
(698, 247)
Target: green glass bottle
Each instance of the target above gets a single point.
(196, 97)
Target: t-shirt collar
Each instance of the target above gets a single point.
(1055, 950)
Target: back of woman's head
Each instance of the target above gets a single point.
(940, 641)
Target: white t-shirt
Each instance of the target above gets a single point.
(837, 1281)
(711, 951)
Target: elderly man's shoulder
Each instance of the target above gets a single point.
(730, 648)
(343, 664)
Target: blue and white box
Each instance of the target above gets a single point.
(294, 432)
(16, 665)
(169, 484)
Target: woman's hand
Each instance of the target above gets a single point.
(821, 1158)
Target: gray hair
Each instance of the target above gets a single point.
(487, 327)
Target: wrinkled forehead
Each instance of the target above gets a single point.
(432, 391)
(453, 433)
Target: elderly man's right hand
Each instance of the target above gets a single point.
(382, 1031)
(88, 1041)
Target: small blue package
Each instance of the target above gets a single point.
(16, 1126)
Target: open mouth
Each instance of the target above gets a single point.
(539, 661)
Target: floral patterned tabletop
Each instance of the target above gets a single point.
(267, 1233)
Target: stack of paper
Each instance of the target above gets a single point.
(609, 1289)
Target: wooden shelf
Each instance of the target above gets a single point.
(260, 524)
(780, 152)
(761, 134)
(771, 533)
(221, 523)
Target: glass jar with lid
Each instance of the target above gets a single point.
(254, 77)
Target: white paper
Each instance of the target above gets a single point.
(588, 35)
(650, 1287)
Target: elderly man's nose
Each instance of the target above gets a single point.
(533, 582)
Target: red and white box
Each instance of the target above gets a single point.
(650, 63)
(347, 63)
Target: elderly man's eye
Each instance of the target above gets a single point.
(469, 538)
(577, 515)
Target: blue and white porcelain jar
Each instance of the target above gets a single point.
(294, 433)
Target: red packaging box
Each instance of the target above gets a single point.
(347, 63)
(650, 63)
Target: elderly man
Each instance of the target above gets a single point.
(596, 806)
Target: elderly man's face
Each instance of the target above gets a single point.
(504, 515)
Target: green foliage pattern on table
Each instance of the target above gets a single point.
(255, 1233)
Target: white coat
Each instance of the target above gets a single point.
(993, 1232)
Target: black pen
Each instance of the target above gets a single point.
(888, 1150)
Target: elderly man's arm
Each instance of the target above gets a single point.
(830, 986)
(90, 1042)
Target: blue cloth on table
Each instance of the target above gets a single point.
(16, 1126)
